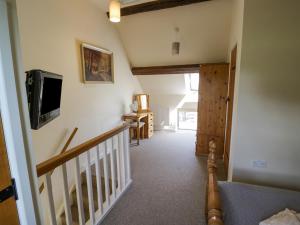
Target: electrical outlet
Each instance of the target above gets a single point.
(262, 164)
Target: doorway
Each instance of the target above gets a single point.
(8, 208)
(187, 113)
(230, 100)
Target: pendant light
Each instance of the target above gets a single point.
(176, 43)
(115, 11)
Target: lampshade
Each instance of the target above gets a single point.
(115, 11)
(175, 48)
(176, 43)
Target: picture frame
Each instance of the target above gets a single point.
(97, 64)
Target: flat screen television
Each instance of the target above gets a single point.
(44, 96)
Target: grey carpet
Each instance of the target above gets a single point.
(168, 184)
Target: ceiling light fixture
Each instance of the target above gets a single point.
(115, 11)
(176, 43)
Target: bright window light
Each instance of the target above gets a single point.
(194, 81)
(187, 120)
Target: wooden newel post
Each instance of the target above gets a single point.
(214, 210)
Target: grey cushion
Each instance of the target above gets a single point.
(245, 204)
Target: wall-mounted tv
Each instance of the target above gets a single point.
(44, 96)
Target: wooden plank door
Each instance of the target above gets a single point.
(213, 85)
(230, 107)
(8, 208)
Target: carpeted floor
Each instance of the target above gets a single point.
(168, 184)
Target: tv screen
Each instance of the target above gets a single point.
(44, 94)
(51, 95)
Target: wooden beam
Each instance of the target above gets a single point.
(156, 5)
(172, 69)
(157, 70)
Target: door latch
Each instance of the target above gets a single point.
(10, 191)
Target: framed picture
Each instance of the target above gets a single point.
(97, 64)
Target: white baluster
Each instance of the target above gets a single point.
(122, 160)
(48, 188)
(119, 170)
(106, 181)
(66, 195)
(118, 163)
(99, 182)
(78, 184)
(112, 168)
(127, 157)
(90, 189)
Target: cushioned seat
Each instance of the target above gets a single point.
(134, 124)
(245, 204)
(134, 127)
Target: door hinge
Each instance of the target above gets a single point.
(10, 191)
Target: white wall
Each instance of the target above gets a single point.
(268, 122)
(51, 32)
(104, 4)
(236, 28)
(167, 93)
(236, 33)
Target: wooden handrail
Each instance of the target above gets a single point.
(58, 160)
(62, 151)
(214, 210)
(69, 140)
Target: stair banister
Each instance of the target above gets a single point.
(60, 159)
(116, 165)
(214, 210)
(41, 188)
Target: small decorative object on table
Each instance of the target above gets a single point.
(134, 106)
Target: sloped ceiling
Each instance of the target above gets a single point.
(147, 37)
(204, 33)
(104, 4)
(163, 84)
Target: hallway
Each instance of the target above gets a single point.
(168, 183)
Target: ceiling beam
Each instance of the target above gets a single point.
(156, 5)
(172, 69)
(158, 70)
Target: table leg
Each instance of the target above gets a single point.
(138, 132)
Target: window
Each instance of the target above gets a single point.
(194, 81)
(187, 120)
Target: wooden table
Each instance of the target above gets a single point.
(136, 117)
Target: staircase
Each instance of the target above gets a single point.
(106, 163)
(84, 187)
